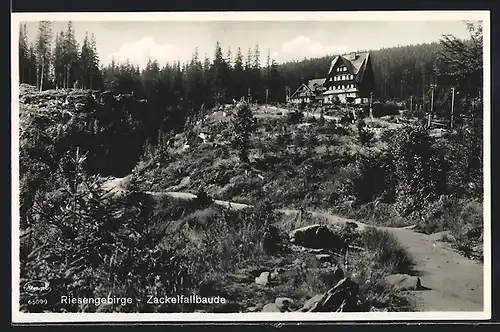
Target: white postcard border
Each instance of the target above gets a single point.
(482, 15)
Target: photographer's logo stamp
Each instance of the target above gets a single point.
(37, 287)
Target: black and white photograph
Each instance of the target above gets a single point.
(251, 166)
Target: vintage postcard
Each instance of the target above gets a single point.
(251, 166)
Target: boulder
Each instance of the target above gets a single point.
(404, 282)
(284, 304)
(317, 237)
(342, 297)
(311, 303)
(263, 279)
(271, 307)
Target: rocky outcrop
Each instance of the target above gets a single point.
(341, 298)
(112, 127)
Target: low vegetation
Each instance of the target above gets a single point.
(136, 246)
(390, 171)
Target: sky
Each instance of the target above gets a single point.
(168, 41)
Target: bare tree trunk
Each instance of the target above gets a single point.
(38, 76)
(41, 77)
(67, 76)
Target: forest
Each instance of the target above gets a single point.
(406, 74)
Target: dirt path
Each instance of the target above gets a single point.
(452, 282)
(455, 283)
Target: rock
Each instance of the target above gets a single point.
(284, 304)
(317, 237)
(297, 262)
(252, 309)
(373, 309)
(263, 279)
(274, 276)
(325, 258)
(342, 297)
(311, 303)
(404, 282)
(271, 307)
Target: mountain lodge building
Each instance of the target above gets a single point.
(350, 79)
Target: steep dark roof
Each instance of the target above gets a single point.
(356, 65)
(316, 81)
(302, 91)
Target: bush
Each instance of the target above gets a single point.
(365, 136)
(463, 150)
(387, 253)
(383, 255)
(242, 126)
(419, 169)
(383, 109)
(295, 117)
(463, 218)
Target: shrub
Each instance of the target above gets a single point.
(463, 218)
(468, 230)
(463, 151)
(383, 109)
(388, 135)
(365, 136)
(418, 168)
(242, 126)
(387, 253)
(295, 117)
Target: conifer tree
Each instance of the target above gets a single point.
(43, 53)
